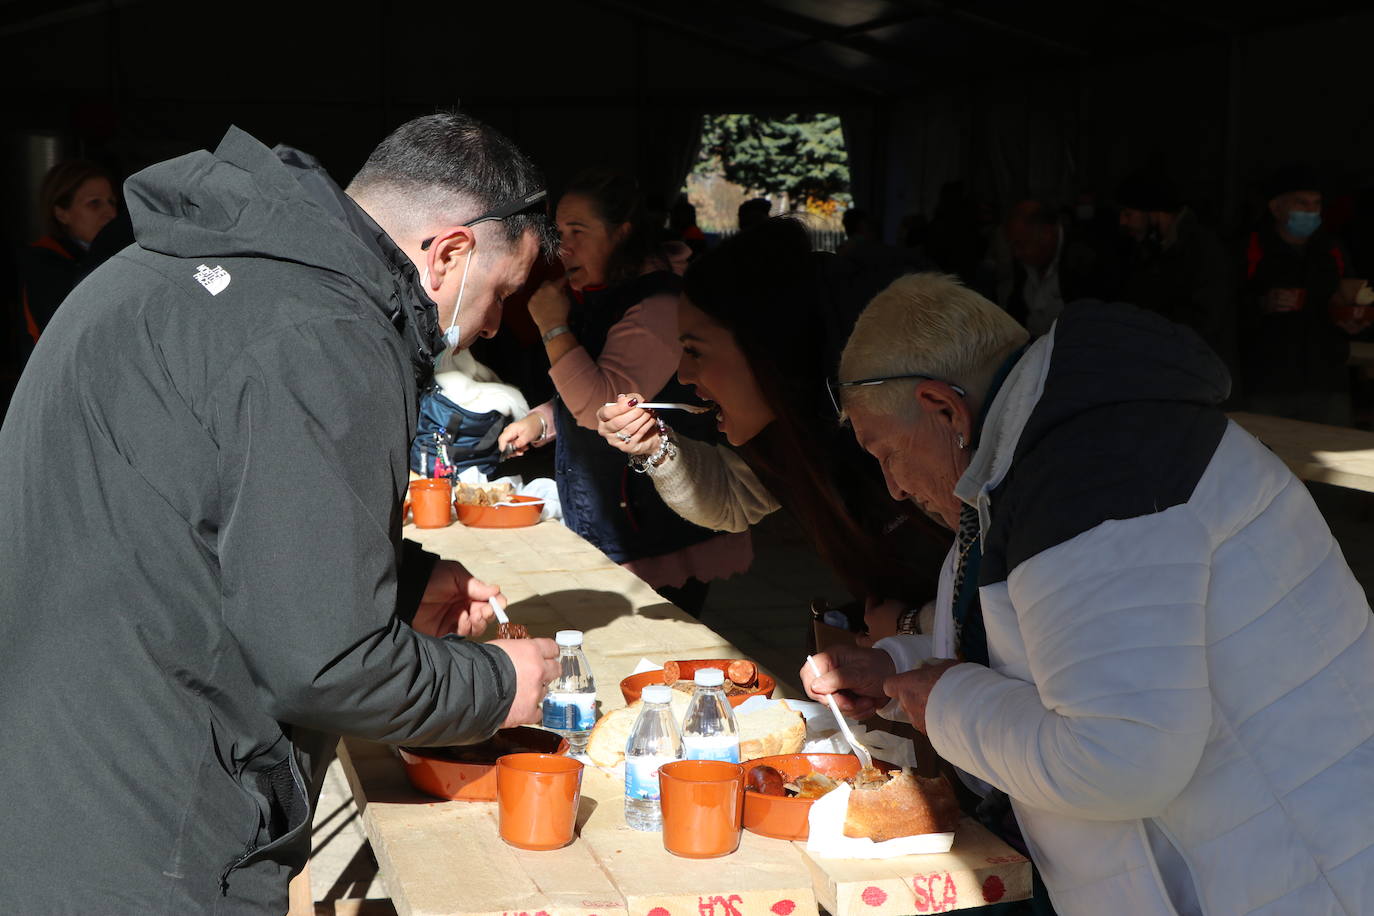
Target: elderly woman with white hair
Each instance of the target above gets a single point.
(1148, 637)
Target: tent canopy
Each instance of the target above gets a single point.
(1011, 98)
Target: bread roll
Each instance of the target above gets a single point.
(778, 729)
(908, 805)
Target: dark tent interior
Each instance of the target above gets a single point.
(1012, 98)
(999, 99)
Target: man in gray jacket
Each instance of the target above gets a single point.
(203, 582)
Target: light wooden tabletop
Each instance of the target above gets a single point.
(440, 857)
(1337, 455)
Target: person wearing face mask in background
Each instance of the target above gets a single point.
(1176, 266)
(611, 327)
(76, 200)
(213, 587)
(1293, 353)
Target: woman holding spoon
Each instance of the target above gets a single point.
(760, 324)
(611, 326)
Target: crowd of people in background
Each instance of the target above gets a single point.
(1279, 302)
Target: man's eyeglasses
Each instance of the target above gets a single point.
(504, 210)
(833, 388)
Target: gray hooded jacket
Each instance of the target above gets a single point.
(202, 474)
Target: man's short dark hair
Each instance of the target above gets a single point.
(1149, 190)
(449, 154)
(753, 212)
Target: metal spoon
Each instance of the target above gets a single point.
(865, 758)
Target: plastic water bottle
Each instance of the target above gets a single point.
(653, 742)
(709, 730)
(570, 705)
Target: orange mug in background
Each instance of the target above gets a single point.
(431, 502)
(1285, 300)
(703, 807)
(536, 799)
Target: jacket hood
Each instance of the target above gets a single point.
(245, 200)
(1095, 355)
(1113, 353)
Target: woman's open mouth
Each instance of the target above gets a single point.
(709, 402)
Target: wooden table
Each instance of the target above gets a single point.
(1337, 455)
(442, 857)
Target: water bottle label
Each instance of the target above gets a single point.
(570, 712)
(641, 777)
(716, 747)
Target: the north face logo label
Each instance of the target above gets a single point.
(215, 279)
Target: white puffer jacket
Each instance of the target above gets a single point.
(1180, 698)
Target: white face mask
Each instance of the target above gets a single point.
(452, 334)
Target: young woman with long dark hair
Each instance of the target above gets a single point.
(761, 323)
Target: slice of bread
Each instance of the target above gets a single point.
(606, 743)
(778, 729)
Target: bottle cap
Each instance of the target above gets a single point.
(568, 638)
(656, 693)
(709, 677)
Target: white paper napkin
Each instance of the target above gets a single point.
(826, 838)
(646, 665)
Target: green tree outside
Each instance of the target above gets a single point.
(800, 156)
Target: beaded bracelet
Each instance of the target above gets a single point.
(666, 449)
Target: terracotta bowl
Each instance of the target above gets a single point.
(785, 818)
(469, 773)
(501, 516)
(632, 685)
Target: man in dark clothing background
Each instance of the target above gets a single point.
(1293, 354)
(1177, 266)
(1053, 266)
(203, 584)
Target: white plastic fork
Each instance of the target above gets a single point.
(865, 758)
(498, 609)
(665, 405)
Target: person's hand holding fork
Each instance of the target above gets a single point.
(629, 427)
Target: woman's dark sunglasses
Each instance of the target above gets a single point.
(833, 388)
(504, 210)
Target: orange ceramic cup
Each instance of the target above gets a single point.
(703, 807)
(431, 502)
(536, 799)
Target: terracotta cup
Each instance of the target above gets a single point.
(703, 807)
(431, 502)
(536, 799)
